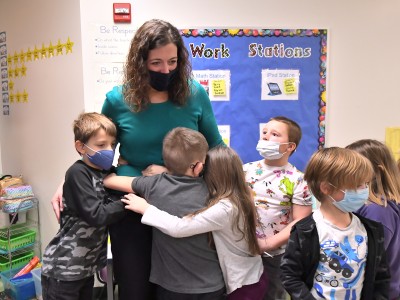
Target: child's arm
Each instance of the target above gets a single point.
(292, 270)
(214, 218)
(82, 197)
(119, 183)
(281, 238)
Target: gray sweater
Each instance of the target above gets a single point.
(186, 265)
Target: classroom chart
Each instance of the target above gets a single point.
(252, 75)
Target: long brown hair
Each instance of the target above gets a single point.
(385, 184)
(225, 180)
(151, 35)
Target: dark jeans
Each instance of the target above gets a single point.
(53, 289)
(163, 294)
(254, 291)
(131, 249)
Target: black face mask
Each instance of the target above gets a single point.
(161, 81)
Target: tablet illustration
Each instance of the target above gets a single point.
(274, 89)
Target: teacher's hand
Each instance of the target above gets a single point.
(56, 201)
(154, 170)
(121, 161)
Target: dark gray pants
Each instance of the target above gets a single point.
(275, 289)
(53, 289)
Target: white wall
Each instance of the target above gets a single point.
(362, 70)
(362, 39)
(36, 139)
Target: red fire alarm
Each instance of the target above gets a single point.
(122, 12)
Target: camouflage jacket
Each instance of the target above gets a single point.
(79, 248)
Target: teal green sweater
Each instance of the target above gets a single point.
(141, 134)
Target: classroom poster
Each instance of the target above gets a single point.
(109, 46)
(4, 74)
(252, 75)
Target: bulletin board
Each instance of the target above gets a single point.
(252, 75)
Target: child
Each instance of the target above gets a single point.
(384, 203)
(184, 268)
(79, 248)
(280, 194)
(230, 215)
(334, 253)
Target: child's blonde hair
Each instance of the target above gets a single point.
(88, 124)
(225, 180)
(385, 184)
(182, 147)
(343, 168)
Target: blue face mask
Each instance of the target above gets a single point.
(352, 200)
(102, 158)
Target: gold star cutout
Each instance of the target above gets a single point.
(11, 85)
(68, 46)
(23, 70)
(15, 57)
(25, 96)
(22, 56)
(59, 48)
(43, 51)
(16, 72)
(12, 98)
(51, 50)
(9, 59)
(10, 73)
(36, 53)
(29, 55)
(18, 96)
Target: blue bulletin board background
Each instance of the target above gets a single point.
(246, 53)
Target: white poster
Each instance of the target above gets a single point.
(106, 76)
(217, 83)
(109, 46)
(280, 84)
(225, 131)
(110, 42)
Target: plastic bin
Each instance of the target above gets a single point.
(17, 241)
(17, 261)
(6, 218)
(36, 274)
(20, 288)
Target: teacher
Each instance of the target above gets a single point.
(157, 95)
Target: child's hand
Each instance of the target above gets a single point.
(154, 170)
(121, 161)
(135, 203)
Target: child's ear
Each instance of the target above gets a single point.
(292, 147)
(197, 169)
(80, 147)
(325, 188)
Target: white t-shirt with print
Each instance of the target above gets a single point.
(343, 256)
(275, 189)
